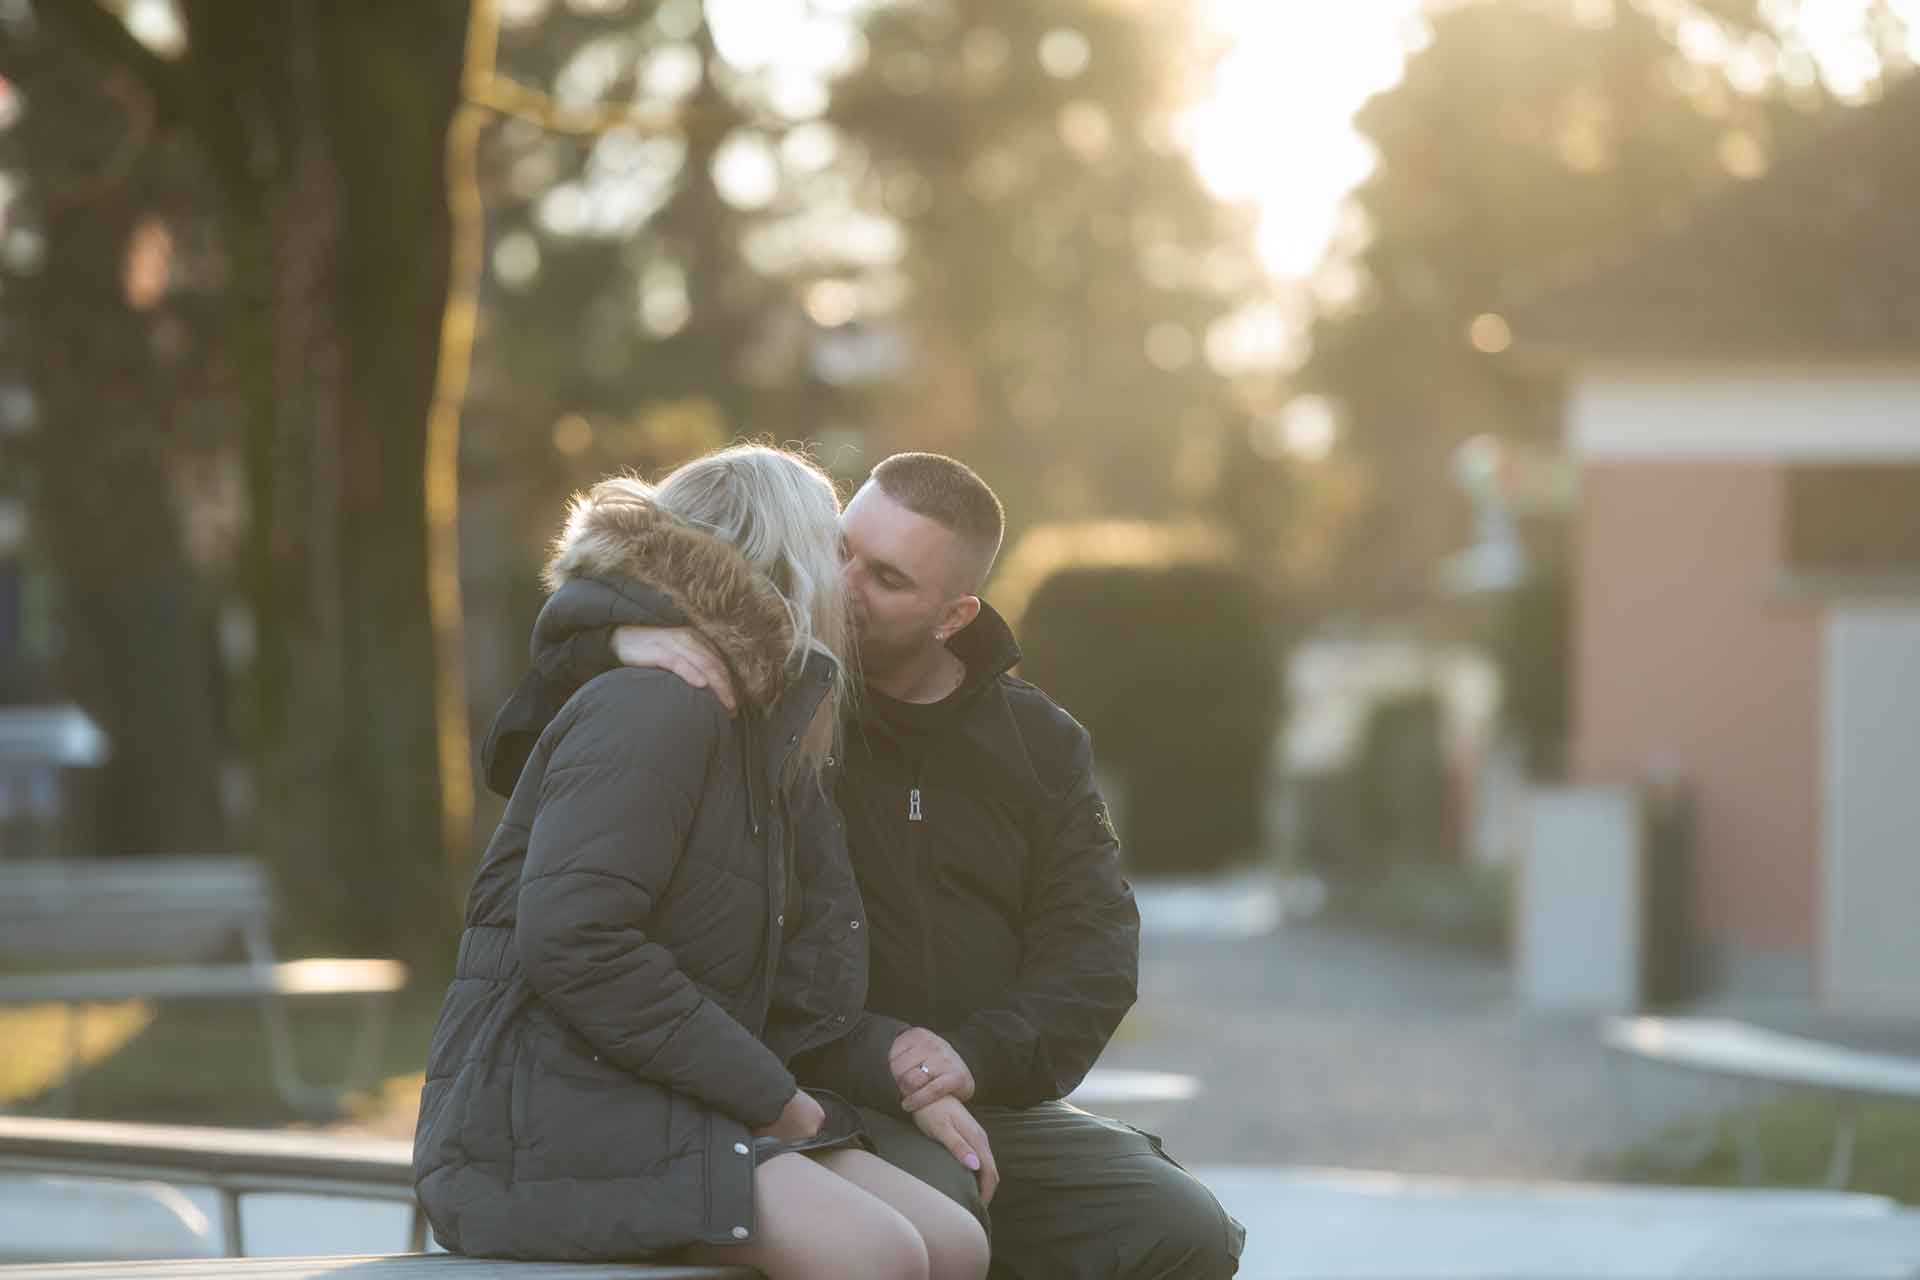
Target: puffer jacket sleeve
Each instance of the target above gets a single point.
(1079, 971)
(616, 802)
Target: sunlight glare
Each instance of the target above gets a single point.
(1836, 33)
(1277, 127)
(157, 25)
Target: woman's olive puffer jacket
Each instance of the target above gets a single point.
(657, 926)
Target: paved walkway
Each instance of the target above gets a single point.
(1315, 1046)
(1371, 1108)
(1306, 1224)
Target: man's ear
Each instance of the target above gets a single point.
(958, 613)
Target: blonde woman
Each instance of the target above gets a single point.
(666, 917)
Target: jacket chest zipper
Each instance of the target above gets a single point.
(921, 872)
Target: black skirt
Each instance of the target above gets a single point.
(842, 1130)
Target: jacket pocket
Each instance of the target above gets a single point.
(579, 1117)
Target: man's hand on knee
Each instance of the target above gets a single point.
(951, 1125)
(681, 650)
(926, 1068)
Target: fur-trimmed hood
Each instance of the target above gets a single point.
(622, 560)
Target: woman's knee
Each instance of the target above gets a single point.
(956, 1244)
(817, 1226)
(880, 1239)
(890, 1246)
(955, 1240)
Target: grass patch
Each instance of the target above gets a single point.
(1795, 1141)
(206, 1062)
(41, 1038)
(1466, 907)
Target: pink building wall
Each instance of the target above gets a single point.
(1687, 656)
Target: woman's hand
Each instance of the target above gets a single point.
(799, 1120)
(950, 1124)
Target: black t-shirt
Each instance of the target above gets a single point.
(912, 726)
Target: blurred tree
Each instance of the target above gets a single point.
(107, 313)
(1523, 132)
(328, 123)
(649, 251)
(1066, 277)
(955, 226)
(625, 324)
(323, 127)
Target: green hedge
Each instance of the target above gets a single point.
(1175, 670)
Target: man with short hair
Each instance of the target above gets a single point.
(1005, 942)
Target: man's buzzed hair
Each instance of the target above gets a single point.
(950, 493)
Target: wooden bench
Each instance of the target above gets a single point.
(1736, 1050)
(149, 917)
(240, 1162)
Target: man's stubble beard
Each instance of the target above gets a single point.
(877, 657)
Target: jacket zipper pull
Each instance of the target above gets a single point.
(913, 806)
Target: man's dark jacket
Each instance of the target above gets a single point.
(988, 866)
(662, 921)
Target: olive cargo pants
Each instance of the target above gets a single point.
(1081, 1197)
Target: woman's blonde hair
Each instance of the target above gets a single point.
(781, 512)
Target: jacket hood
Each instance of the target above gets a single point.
(622, 560)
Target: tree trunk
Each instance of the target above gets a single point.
(111, 365)
(332, 140)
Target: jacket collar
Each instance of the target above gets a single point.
(987, 647)
(623, 560)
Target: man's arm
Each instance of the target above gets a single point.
(1080, 969)
(545, 689)
(681, 650)
(855, 1064)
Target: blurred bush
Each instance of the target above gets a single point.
(1173, 667)
(1389, 804)
(1532, 642)
(1400, 795)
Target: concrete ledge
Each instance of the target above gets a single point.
(400, 1266)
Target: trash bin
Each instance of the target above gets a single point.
(1578, 919)
(1673, 957)
(1604, 916)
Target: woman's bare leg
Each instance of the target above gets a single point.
(956, 1244)
(813, 1224)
